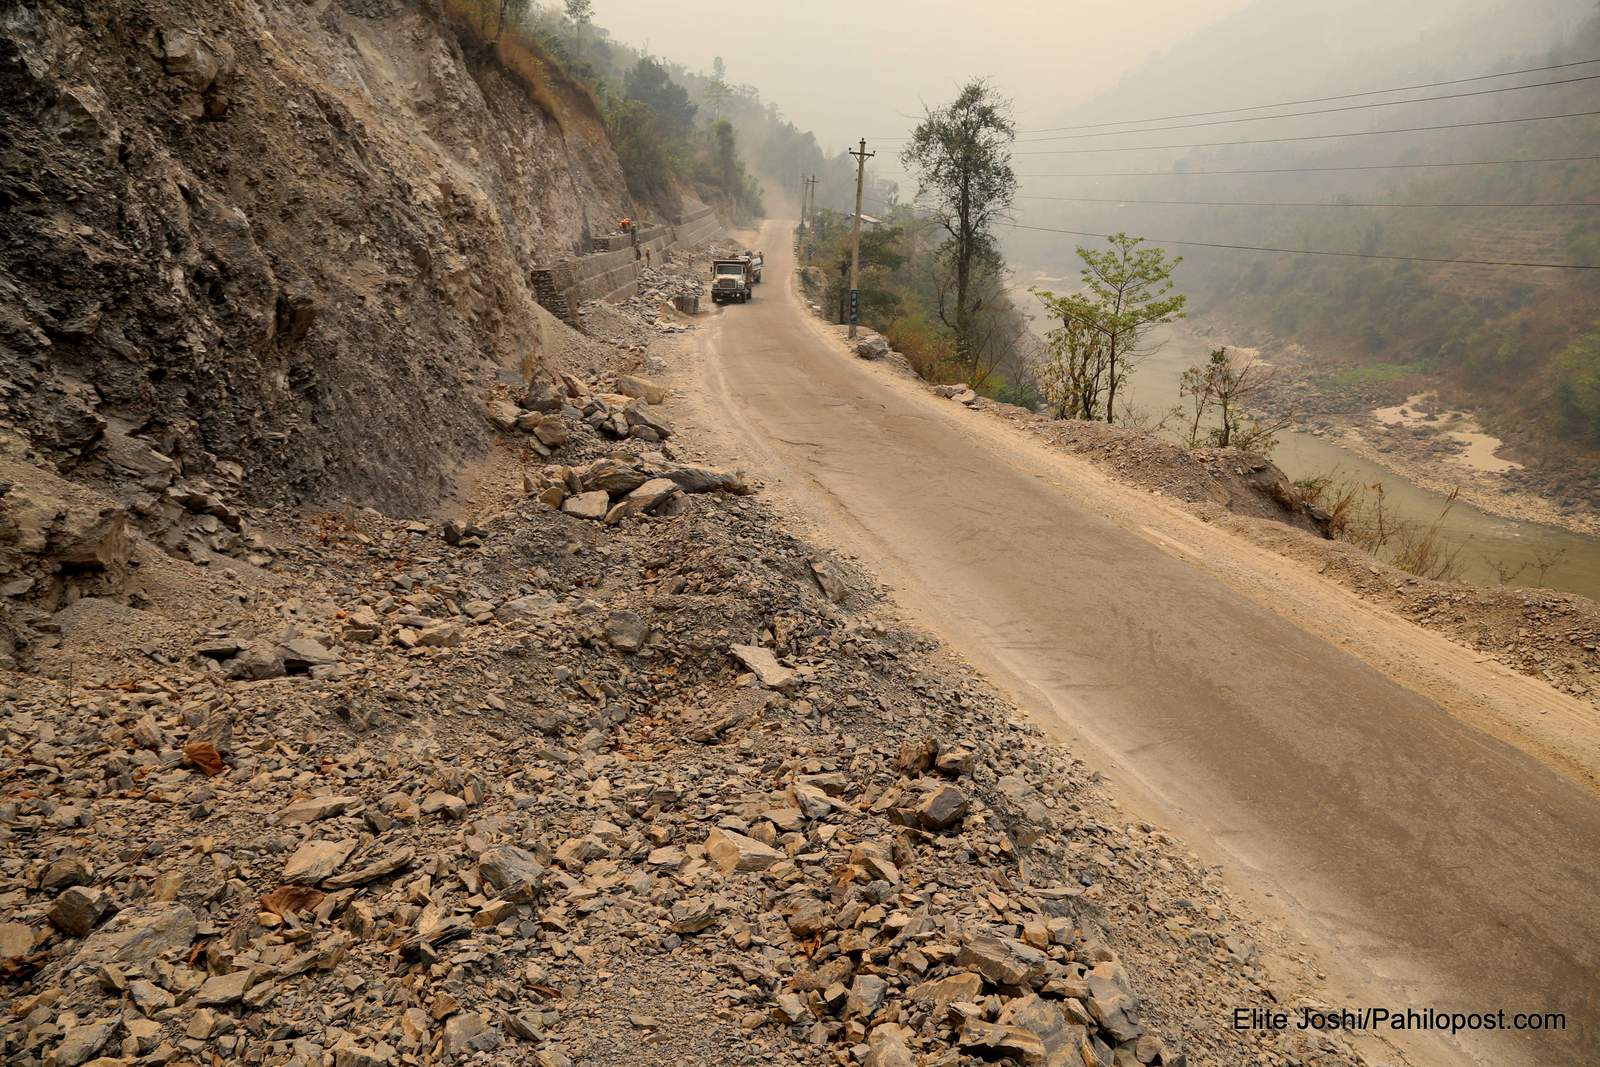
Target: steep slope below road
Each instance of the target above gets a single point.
(289, 236)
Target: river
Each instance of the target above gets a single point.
(1488, 543)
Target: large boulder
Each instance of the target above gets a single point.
(197, 61)
(503, 414)
(1004, 961)
(873, 347)
(316, 860)
(1045, 1019)
(648, 497)
(765, 666)
(139, 935)
(1111, 1003)
(732, 852)
(641, 388)
(588, 505)
(707, 480)
(514, 873)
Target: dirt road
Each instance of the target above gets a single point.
(1426, 862)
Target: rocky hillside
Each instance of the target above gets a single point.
(275, 244)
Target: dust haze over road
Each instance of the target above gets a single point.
(1431, 864)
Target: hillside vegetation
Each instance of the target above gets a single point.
(1471, 330)
(1518, 344)
(678, 130)
(669, 148)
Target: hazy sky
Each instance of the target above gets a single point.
(851, 68)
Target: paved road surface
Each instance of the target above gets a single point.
(1451, 869)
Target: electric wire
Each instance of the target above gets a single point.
(1301, 170)
(1322, 99)
(1321, 252)
(1291, 203)
(1305, 100)
(1308, 137)
(1303, 114)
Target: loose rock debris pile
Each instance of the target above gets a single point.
(640, 780)
(633, 322)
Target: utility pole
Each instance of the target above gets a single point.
(808, 218)
(800, 234)
(809, 208)
(855, 237)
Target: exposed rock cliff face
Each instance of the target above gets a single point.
(277, 243)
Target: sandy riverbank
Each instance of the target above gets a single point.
(1475, 472)
(1439, 449)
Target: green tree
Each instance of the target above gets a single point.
(726, 148)
(718, 92)
(1198, 385)
(650, 84)
(641, 149)
(579, 13)
(880, 259)
(1228, 382)
(1072, 374)
(962, 155)
(1575, 388)
(1127, 292)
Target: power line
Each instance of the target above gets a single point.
(1318, 111)
(1306, 137)
(1305, 100)
(1305, 170)
(1320, 99)
(1303, 203)
(1319, 252)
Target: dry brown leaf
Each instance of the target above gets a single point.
(203, 755)
(288, 900)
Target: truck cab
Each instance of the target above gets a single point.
(730, 280)
(756, 260)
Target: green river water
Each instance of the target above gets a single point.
(1485, 539)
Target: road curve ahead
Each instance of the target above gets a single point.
(1440, 866)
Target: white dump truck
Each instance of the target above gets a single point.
(731, 280)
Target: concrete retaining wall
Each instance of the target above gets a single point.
(613, 274)
(698, 231)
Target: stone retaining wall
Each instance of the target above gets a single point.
(618, 241)
(613, 274)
